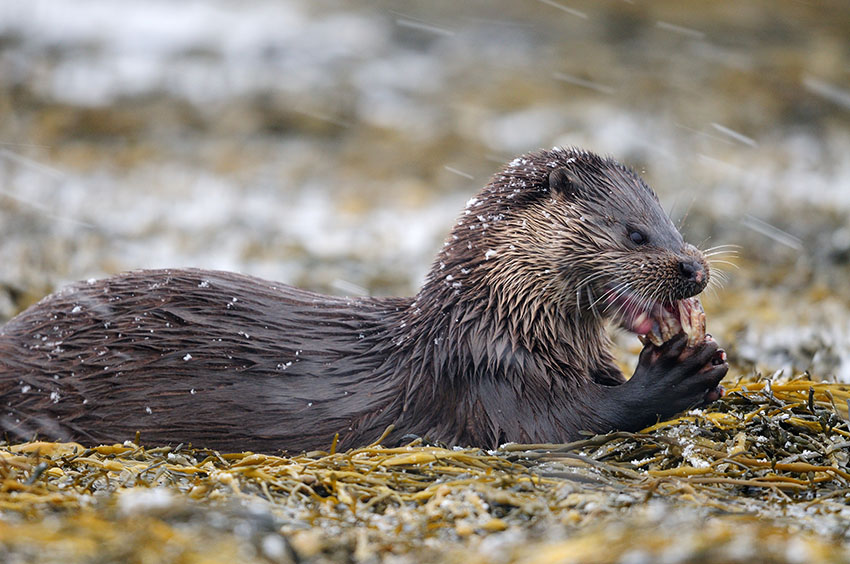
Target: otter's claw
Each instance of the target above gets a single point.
(674, 377)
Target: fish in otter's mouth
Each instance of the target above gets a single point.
(659, 322)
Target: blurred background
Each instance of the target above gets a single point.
(330, 145)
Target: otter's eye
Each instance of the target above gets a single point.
(637, 237)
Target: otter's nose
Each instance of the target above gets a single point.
(692, 271)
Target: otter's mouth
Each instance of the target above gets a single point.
(658, 322)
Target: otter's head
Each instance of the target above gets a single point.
(569, 228)
(640, 263)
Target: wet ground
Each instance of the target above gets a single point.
(330, 145)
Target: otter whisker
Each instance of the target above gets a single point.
(718, 272)
(600, 298)
(718, 250)
(585, 284)
(717, 280)
(684, 217)
(590, 300)
(717, 283)
(589, 279)
(621, 290)
(732, 248)
(719, 257)
(620, 311)
(579, 288)
(718, 277)
(611, 292)
(714, 261)
(651, 299)
(713, 287)
(723, 255)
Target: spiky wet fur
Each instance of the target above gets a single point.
(504, 342)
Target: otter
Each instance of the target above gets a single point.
(505, 342)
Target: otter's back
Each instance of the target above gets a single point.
(188, 355)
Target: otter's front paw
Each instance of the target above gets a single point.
(674, 377)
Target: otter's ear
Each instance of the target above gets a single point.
(564, 181)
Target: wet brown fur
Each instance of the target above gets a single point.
(503, 342)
